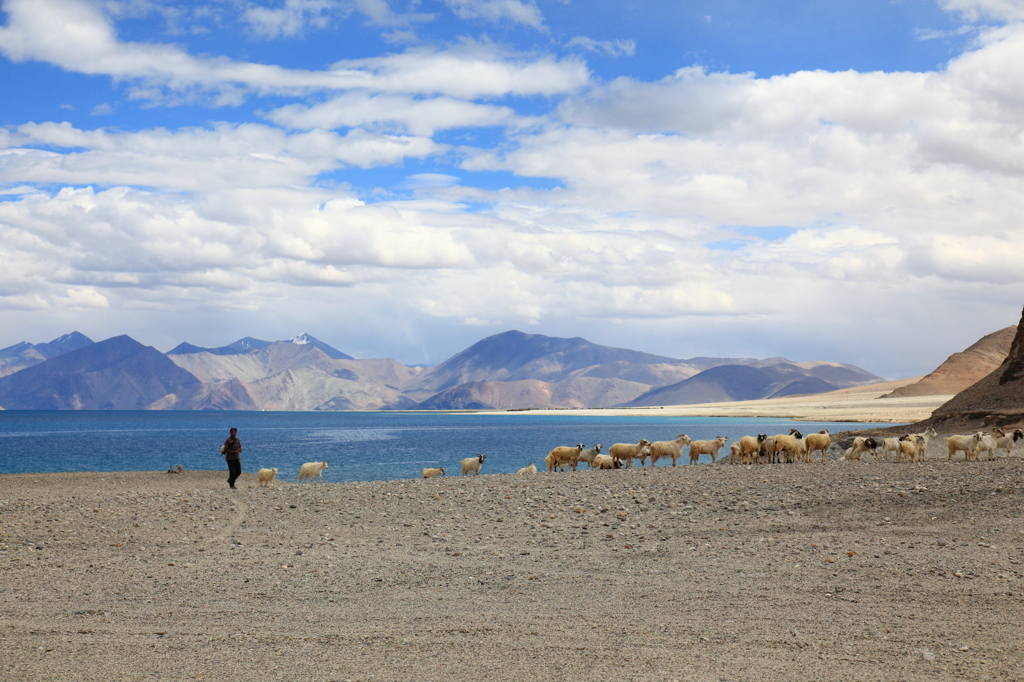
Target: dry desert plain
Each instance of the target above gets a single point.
(840, 571)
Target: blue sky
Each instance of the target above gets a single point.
(828, 181)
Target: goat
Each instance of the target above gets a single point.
(312, 469)
(265, 476)
(472, 464)
(434, 473)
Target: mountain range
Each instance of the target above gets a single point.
(511, 370)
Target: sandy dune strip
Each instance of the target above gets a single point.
(859, 404)
(855, 570)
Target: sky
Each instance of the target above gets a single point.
(836, 180)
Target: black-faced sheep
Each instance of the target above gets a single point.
(472, 464)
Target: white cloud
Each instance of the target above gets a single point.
(291, 19)
(516, 11)
(402, 112)
(974, 10)
(611, 48)
(78, 37)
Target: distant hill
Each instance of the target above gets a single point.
(21, 355)
(291, 376)
(249, 344)
(117, 374)
(996, 400)
(516, 356)
(964, 369)
(505, 371)
(773, 378)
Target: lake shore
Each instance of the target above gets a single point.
(858, 404)
(851, 570)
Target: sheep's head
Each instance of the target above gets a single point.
(644, 442)
(481, 458)
(761, 437)
(1017, 434)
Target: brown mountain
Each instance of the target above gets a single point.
(996, 400)
(963, 369)
(117, 374)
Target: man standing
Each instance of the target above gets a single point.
(232, 450)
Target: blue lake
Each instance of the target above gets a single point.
(361, 446)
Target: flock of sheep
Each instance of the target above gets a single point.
(791, 447)
(909, 447)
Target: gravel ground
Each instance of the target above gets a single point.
(842, 571)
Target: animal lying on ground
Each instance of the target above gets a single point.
(860, 446)
(472, 464)
(668, 448)
(607, 462)
(265, 476)
(627, 452)
(433, 473)
(176, 470)
(311, 469)
(528, 469)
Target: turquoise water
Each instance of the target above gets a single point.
(361, 446)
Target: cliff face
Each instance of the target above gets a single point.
(996, 400)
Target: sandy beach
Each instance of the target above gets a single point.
(845, 571)
(858, 404)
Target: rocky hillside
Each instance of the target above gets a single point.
(963, 369)
(996, 400)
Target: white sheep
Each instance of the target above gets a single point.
(735, 453)
(923, 439)
(891, 444)
(817, 441)
(563, 456)
(1005, 441)
(528, 469)
(706, 447)
(472, 464)
(749, 447)
(312, 469)
(433, 473)
(607, 462)
(265, 476)
(668, 448)
(627, 452)
(589, 454)
(986, 443)
(910, 447)
(966, 443)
